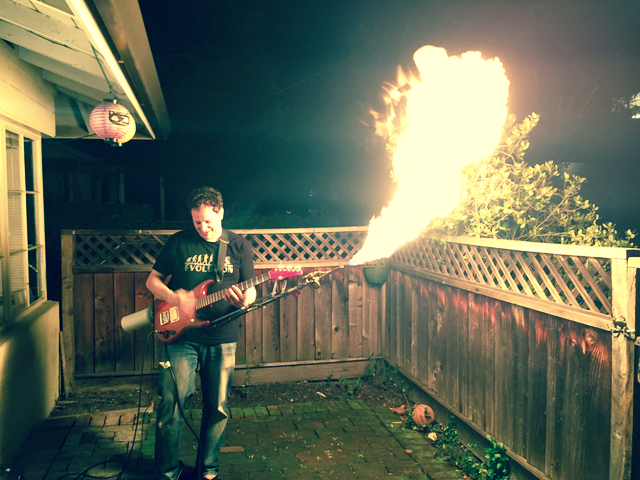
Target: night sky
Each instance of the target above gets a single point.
(269, 99)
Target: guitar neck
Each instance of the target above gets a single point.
(217, 296)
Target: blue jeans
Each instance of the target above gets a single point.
(216, 374)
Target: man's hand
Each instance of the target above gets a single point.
(238, 298)
(185, 300)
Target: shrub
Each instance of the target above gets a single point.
(505, 198)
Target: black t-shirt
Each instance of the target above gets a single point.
(190, 260)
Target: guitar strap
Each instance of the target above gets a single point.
(222, 253)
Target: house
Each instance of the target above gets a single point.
(58, 60)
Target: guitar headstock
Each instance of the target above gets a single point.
(281, 273)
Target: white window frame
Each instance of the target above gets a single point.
(9, 314)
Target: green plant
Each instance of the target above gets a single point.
(504, 197)
(496, 462)
(495, 465)
(350, 388)
(371, 370)
(330, 377)
(247, 375)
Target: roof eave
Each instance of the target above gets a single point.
(121, 27)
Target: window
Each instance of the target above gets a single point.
(22, 279)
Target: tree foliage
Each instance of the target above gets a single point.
(505, 198)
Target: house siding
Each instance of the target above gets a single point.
(29, 376)
(24, 96)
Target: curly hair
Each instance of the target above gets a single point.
(205, 196)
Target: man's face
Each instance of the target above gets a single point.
(207, 222)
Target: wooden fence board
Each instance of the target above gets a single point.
(437, 342)
(450, 354)
(289, 325)
(392, 316)
(489, 350)
(105, 323)
(535, 431)
(385, 308)
(144, 346)
(504, 375)
(400, 304)
(368, 342)
(520, 380)
(124, 303)
(67, 338)
(423, 332)
(355, 316)
(556, 372)
(253, 332)
(572, 426)
(241, 346)
(271, 333)
(460, 308)
(323, 307)
(416, 342)
(306, 324)
(340, 315)
(477, 313)
(375, 320)
(83, 322)
(406, 322)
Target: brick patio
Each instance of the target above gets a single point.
(329, 440)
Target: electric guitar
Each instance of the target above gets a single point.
(169, 321)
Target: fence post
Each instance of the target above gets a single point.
(68, 241)
(623, 280)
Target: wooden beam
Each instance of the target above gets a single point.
(67, 334)
(551, 248)
(45, 26)
(96, 94)
(77, 67)
(281, 372)
(622, 368)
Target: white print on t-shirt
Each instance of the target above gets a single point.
(203, 263)
(228, 267)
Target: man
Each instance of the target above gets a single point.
(190, 257)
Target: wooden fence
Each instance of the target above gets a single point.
(104, 276)
(530, 343)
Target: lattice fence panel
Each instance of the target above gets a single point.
(121, 249)
(575, 281)
(299, 246)
(117, 249)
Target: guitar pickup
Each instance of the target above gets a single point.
(170, 316)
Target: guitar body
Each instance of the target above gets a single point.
(170, 322)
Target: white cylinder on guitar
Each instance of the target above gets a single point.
(137, 320)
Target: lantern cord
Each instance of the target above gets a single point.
(111, 89)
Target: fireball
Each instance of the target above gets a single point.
(449, 116)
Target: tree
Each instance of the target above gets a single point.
(504, 197)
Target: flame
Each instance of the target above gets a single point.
(454, 116)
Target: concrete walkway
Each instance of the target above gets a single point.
(328, 440)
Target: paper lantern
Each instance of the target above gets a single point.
(113, 123)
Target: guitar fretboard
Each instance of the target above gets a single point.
(217, 296)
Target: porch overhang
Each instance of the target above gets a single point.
(65, 39)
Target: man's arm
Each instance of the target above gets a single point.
(182, 299)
